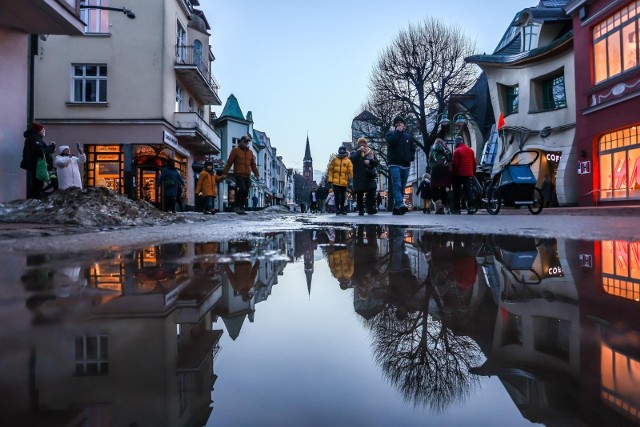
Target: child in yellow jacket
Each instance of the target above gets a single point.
(338, 175)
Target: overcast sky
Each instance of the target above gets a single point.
(303, 65)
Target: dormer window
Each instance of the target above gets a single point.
(530, 33)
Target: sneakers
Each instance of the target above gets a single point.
(404, 209)
(398, 212)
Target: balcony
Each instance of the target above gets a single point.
(193, 132)
(42, 17)
(192, 66)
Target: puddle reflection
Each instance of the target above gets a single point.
(131, 337)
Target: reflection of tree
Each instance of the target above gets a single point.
(418, 351)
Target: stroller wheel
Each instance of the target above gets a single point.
(538, 201)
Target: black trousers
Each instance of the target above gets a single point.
(341, 197)
(465, 183)
(370, 200)
(243, 184)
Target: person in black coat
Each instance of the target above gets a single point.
(364, 177)
(323, 193)
(401, 151)
(171, 179)
(34, 148)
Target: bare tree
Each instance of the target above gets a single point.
(419, 72)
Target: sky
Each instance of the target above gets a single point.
(302, 66)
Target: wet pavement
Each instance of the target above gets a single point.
(321, 322)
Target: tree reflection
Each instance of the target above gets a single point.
(414, 336)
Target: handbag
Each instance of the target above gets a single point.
(42, 171)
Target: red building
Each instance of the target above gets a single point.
(607, 69)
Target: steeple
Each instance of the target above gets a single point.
(307, 163)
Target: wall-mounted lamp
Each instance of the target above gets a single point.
(128, 12)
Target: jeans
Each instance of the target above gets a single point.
(399, 176)
(208, 203)
(341, 196)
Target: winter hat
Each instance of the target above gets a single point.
(397, 119)
(37, 127)
(362, 141)
(459, 140)
(62, 148)
(245, 138)
(342, 152)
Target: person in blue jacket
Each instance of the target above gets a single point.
(171, 179)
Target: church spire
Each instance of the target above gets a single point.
(307, 164)
(307, 151)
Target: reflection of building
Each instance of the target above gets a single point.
(135, 93)
(141, 355)
(533, 63)
(607, 89)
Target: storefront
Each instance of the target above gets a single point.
(619, 161)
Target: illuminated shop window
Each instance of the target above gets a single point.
(620, 382)
(616, 43)
(621, 269)
(105, 165)
(620, 165)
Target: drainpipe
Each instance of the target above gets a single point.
(33, 51)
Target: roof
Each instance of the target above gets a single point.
(365, 116)
(307, 150)
(232, 109)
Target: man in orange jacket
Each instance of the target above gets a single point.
(243, 162)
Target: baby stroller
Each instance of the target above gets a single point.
(515, 185)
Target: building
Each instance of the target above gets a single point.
(307, 164)
(607, 79)
(530, 78)
(136, 94)
(21, 23)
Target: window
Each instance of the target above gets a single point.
(191, 105)
(97, 20)
(92, 355)
(615, 43)
(179, 99)
(511, 99)
(530, 36)
(89, 83)
(201, 113)
(619, 159)
(181, 43)
(553, 94)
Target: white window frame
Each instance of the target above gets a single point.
(85, 16)
(101, 361)
(99, 79)
(530, 35)
(181, 42)
(179, 99)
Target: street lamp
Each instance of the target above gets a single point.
(128, 12)
(459, 120)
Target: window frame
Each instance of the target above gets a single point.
(530, 36)
(83, 361)
(511, 99)
(180, 94)
(607, 36)
(547, 87)
(99, 79)
(181, 42)
(101, 17)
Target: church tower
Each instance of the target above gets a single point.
(307, 164)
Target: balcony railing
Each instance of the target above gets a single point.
(189, 124)
(192, 58)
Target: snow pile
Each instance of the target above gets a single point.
(97, 206)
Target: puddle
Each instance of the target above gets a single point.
(371, 326)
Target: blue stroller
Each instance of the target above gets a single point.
(515, 185)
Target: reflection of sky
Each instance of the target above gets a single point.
(307, 362)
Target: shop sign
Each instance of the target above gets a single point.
(553, 157)
(169, 139)
(108, 157)
(107, 148)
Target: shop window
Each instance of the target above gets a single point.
(105, 167)
(89, 83)
(621, 269)
(616, 43)
(619, 160)
(620, 381)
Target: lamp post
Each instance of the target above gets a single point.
(458, 119)
(128, 12)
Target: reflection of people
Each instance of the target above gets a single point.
(243, 275)
(340, 257)
(243, 162)
(403, 284)
(364, 176)
(171, 179)
(401, 151)
(68, 167)
(547, 190)
(34, 149)
(207, 187)
(365, 259)
(338, 175)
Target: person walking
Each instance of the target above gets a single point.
(424, 191)
(35, 148)
(340, 170)
(171, 179)
(243, 162)
(401, 151)
(313, 200)
(207, 187)
(331, 202)
(364, 177)
(464, 169)
(440, 167)
(68, 167)
(322, 194)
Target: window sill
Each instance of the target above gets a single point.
(87, 104)
(96, 35)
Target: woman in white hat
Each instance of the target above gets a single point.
(68, 167)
